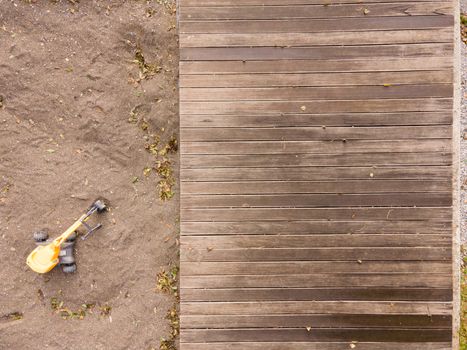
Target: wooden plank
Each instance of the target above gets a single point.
(394, 64)
(317, 173)
(329, 39)
(319, 254)
(317, 25)
(315, 294)
(311, 308)
(394, 280)
(317, 321)
(323, 121)
(305, 160)
(439, 214)
(316, 133)
(311, 267)
(341, 334)
(314, 227)
(268, 80)
(317, 106)
(315, 346)
(305, 200)
(310, 53)
(306, 119)
(316, 93)
(349, 187)
(314, 241)
(197, 13)
(268, 187)
(319, 147)
(243, 3)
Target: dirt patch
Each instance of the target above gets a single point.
(72, 73)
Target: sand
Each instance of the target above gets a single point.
(68, 83)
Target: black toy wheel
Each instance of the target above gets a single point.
(40, 236)
(100, 205)
(71, 268)
(72, 237)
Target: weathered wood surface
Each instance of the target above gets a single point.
(316, 174)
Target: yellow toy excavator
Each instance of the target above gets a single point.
(60, 250)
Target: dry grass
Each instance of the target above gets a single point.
(463, 21)
(463, 316)
(167, 282)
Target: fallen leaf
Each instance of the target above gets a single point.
(146, 171)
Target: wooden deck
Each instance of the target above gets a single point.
(316, 169)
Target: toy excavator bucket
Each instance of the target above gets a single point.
(44, 258)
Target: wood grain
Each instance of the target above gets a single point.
(340, 187)
(312, 227)
(394, 64)
(315, 294)
(312, 307)
(321, 160)
(315, 346)
(316, 25)
(311, 173)
(312, 241)
(319, 321)
(246, 3)
(440, 214)
(311, 267)
(318, 147)
(316, 93)
(316, 174)
(354, 255)
(329, 39)
(314, 79)
(302, 334)
(315, 11)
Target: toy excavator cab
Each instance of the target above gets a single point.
(47, 255)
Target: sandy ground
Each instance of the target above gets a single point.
(68, 84)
